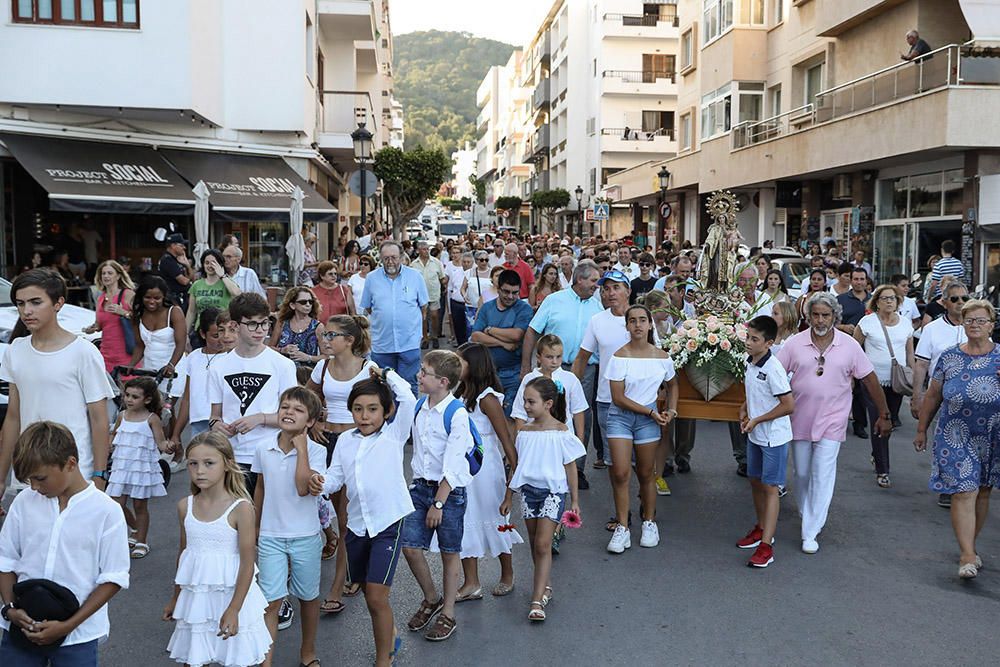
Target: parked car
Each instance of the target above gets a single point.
(795, 271)
(452, 229)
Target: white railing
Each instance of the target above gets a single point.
(949, 66)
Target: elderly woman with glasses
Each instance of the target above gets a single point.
(966, 460)
(885, 337)
(297, 328)
(822, 361)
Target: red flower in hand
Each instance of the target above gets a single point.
(506, 528)
(571, 519)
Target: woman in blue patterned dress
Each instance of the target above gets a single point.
(966, 461)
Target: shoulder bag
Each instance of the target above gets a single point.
(128, 333)
(900, 376)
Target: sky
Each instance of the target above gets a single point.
(511, 21)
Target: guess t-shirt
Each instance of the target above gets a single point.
(247, 386)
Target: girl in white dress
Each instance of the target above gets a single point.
(160, 330)
(480, 390)
(217, 605)
(545, 471)
(137, 440)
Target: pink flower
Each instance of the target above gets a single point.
(693, 333)
(690, 324)
(713, 339)
(674, 348)
(692, 345)
(571, 519)
(741, 333)
(725, 345)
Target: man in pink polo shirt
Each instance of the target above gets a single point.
(515, 263)
(822, 362)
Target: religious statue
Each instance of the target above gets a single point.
(719, 253)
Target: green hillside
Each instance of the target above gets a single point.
(437, 74)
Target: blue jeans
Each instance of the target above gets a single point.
(74, 655)
(405, 363)
(510, 379)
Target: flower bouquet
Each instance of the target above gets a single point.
(712, 352)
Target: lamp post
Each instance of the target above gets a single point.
(579, 210)
(664, 177)
(362, 139)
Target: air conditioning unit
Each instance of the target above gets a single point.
(842, 186)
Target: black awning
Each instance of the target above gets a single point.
(96, 177)
(245, 187)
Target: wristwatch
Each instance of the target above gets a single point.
(438, 505)
(6, 608)
(98, 474)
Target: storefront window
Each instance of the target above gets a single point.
(267, 251)
(892, 204)
(925, 195)
(889, 251)
(954, 182)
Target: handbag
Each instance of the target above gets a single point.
(128, 333)
(900, 376)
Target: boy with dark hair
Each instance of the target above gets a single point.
(646, 279)
(440, 475)
(73, 538)
(764, 419)
(54, 375)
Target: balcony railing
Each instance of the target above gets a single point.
(637, 76)
(950, 66)
(542, 96)
(631, 134)
(645, 20)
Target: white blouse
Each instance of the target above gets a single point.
(878, 351)
(336, 392)
(542, 457)
(642, 376)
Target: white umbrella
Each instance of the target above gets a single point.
(201, 194)
(295, 247)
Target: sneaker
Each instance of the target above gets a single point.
(810, 546)
(944, 500)
(581, 481)
(683, 466)
(650, 535)
(620, 541)
(762, 557)
(285, 615)
(662, 488)
(752, 539)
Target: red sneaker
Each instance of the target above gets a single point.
(762, 557)
(752, 539)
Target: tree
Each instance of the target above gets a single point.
(512, 204)
(409, 178)
(479, 185)
(547, 202)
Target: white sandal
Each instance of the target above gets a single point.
(968, 571)
(537, 614)
(140, 550)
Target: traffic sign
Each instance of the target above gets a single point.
(665, 210)
(371, 183)
(505, 213)
(588, 215)
(602, 211)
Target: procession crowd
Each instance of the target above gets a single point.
(293, 423)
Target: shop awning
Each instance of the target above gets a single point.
(245, 187)
(97, 177)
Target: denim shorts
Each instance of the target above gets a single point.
(416, 534)
(73, 655)
(373, 560)
(768, 464)
(277, 557)
(539, 503)
(628, 425)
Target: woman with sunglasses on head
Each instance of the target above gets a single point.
(345, 342)
(296, 330)
(822, 362)
(334, 297)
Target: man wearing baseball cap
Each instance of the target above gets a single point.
(175, 268)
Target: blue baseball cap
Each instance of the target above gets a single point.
(616, 276)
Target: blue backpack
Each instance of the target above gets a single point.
(475, 456)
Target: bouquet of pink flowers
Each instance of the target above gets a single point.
(710, 340)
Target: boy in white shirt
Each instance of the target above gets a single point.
(245, 385)
(290, 538)
(67, 532)
(440, 475)
(55, 376)
(764, 418)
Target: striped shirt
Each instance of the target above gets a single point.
(946, 266)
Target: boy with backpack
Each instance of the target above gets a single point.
(444, 461)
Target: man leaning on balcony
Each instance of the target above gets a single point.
(918, 47)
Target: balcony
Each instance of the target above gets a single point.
(951, 66)
(644, 142)
(353, 19)
(542, 95)
(543, 50)
(658, 26)
(538, 145)
(338, 116)
(835, 17)
(482, 120)
(638, 82)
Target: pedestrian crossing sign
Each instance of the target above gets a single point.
(602, 211)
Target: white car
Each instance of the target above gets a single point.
(452, 229)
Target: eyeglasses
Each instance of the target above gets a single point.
(956, 299)
(822, 360)
(427, 373)
(255, 325)
(977, 321)
(329, 336)
(304, 302)
(887, 298)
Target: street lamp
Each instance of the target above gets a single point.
(362, 139)
(664, 177)
(579, 210)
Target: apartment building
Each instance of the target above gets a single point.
(112, 112)
(807, 111)
(601, 98)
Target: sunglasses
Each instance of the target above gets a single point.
(822, 360)
(329, 336)
(956, 299)
(304, 302)
(645, 264)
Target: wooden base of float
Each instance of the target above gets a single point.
(724, 407)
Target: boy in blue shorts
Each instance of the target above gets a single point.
(764, 418)
(290, 538)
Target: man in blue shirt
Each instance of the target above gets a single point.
(565, 313)
(500, 326)
(395, 298)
